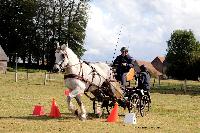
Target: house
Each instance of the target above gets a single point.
(159, 63)
(3, 60)
(157, 67)
(149, 66)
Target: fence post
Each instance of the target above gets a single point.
(49, 75)
(27, 74)
(154, 81)
(185, 86)
(16, 68)
(45, 78)
(159, 82)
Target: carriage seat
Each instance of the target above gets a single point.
(130, 77)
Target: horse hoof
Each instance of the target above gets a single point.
(98, 115)
(83, 117)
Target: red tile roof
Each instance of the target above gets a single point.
(161, 58)
(149, 66)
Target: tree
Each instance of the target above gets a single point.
(16, 25)
(62, 21)
(183, 55)
(77, 22)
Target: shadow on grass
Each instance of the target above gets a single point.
(64, 116)
(29, 117)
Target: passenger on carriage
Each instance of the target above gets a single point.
(123, 64)
(143, 78)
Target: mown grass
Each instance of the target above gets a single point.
(169, 112)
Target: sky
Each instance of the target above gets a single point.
(144, 26)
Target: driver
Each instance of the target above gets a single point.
(123, 63)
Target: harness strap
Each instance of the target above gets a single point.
(74, 76)
(91, 98)
(93, 74)
(80, 78)
(81, 70)
(80, 75)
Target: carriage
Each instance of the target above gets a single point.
(82, 77)
(132, 98)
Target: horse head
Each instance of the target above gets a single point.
(62, 59)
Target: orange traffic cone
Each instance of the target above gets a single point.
(113, 117)
(38, 110)
(55, 112)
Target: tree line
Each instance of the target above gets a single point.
(32, 28)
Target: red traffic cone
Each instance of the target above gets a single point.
(113, 117)
(67, 92)
(38, 110)
(55, 112)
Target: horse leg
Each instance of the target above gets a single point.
(71, 107)
(82, 107)
(98, 110)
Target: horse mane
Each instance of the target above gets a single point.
(71, 53)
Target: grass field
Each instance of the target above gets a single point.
(170, 111)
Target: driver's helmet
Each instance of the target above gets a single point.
(124, 49)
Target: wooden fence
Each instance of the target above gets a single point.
(156, 84)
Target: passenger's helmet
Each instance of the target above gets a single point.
(124, 49)
(143, 68)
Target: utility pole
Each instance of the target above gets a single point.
(16, 67)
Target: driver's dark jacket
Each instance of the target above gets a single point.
(120, 69)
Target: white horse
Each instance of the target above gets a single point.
(80, 76)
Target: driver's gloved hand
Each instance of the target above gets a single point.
(124, 64)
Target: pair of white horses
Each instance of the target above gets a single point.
(81, 76)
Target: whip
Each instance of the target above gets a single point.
(117, 44)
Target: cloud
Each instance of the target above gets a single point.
(94, 52)
(144, 26)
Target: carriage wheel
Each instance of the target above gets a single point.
(134, 104)
(144, 105)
